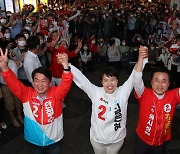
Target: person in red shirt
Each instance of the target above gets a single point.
(92, 46)
(61, 47)
(157, 107)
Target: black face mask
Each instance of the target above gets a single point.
(23, 50)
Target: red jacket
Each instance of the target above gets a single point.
(43, 124)
(56, 68)
(155, 116)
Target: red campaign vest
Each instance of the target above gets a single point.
(45, 112)
(155, 116)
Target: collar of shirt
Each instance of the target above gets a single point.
(32, 54)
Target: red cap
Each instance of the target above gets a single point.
(173, 50)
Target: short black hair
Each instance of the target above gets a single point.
(19, 36)
(25, 31)
(111, 42)
(46, 72)
(40, 34)
(162, 70)
(33, 42)
(110, 72)
(4, 29)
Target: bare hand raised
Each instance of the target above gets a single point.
(3, 60)
(143, 52)
(63, 59)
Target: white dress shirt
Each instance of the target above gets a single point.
(31, 62)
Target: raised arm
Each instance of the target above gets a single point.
(10, 78)
(80, 80)
(138, 82)
(64, 86)
(142, 60)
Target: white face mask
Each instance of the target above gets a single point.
(21, 43)
(28, 28)
(85, 47)
(27, 36)
(138, 38)
(135, 49)
(131, 15)
(152, 48)
(7, 35)
(123, 43)
(3, 21)
(118, 14)
(93, 41)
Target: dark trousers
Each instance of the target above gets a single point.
(1, 110)
(50, 149)
(141, 147)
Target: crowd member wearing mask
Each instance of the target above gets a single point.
(107, 23)
(5, 38)
(102, 50)
(113, 54)
(56, 47)
(15, 22)
(124, 51)
(20, 52)
(93, 26)
(137, 39)
(85, 61)
(92, 46)
(134, 57)
(119, 26)
(152, 56)
(131, 27)
(2, 22)
(162, 56)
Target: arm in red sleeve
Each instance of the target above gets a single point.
(17, 88)
(63, 88)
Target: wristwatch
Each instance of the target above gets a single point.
(67, 69)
